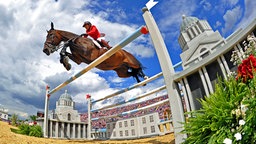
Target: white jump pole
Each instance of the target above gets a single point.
(124, 42)
(168, 72)
(130, 88)
(132, 99)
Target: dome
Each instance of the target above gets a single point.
(65, 96)
(187, 22)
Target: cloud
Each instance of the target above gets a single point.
(231, 17)
(206, 5)
(217, 24)
(249, 13)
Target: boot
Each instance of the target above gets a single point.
(105, 44)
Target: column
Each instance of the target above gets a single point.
(50, 129)
(222, 67)
(225, 64)
(79, 131)
(204, 82)
(84, 131)
(62, 130)
(185, 96)
(74, 130)
(57, 129)
(68, 130)
(189, 94)
(207, 79)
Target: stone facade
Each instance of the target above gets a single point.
(3, 114)
(64, 122)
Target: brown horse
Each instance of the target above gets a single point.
(84, 50)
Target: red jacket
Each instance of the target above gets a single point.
(93, 32)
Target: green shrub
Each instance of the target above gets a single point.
(26, 129)
(36, 131)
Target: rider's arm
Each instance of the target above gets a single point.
(92, 30)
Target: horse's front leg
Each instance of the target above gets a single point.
(63, 56)
(73, 58)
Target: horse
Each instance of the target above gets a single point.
(84, 50)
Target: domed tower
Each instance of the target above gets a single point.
(65, 100)
(197, 40)
(65, 109)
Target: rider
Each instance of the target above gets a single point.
(93, 32)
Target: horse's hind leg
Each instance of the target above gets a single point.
(141, 73)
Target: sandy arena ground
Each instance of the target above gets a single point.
(8, 137)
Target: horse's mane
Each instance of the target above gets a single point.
(67, 34)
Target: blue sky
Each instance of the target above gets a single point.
(26, 70)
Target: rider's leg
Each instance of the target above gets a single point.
(105, 43)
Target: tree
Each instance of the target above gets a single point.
(14, 119)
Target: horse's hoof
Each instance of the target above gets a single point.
(68, 67)
(145, 77)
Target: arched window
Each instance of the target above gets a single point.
(69, 117)
(202, 50)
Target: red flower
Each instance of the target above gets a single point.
(245, 69)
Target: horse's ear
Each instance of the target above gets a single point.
(52, 26)
(47, 31)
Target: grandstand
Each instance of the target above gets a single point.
(123, 122)
(158, 105)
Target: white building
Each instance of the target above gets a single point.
(205, 56)
(132, 128)
(64, 122)
(3, 113)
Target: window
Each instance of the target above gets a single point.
(153, 130)
(121, 133)
(132, 122)
(109, 134)
(125, 124)
(145, 130)
(69, 117)
(126, 133)
(120, 124)
(151, 118)
(114, 125)
(143, 120)
(108, 126)
(133, 132)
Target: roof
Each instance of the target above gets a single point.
(187, 22)
(66, 96)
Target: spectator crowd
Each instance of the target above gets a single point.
(115, 114)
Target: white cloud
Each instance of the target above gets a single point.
(231, 17)
(249, 13)
(206, 5)
(230, 3)
(217, 24)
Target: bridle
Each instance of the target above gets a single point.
(53, 47)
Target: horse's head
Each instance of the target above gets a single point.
(53, 39)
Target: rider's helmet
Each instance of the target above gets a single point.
(87, 23)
